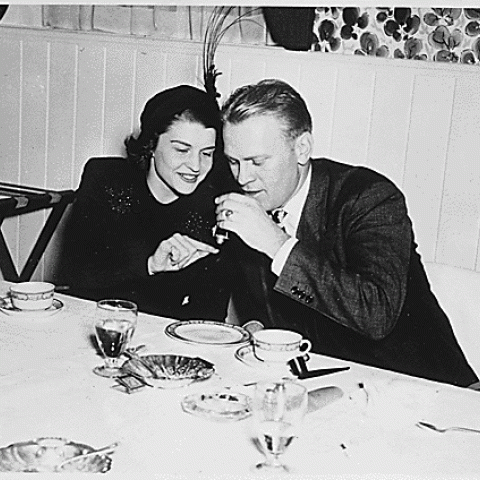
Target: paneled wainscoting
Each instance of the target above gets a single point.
(67, 97)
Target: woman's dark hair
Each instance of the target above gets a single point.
(182, 103)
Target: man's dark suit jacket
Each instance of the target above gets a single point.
(354, 283)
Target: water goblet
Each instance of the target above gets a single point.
(278, 409)
(115, 322)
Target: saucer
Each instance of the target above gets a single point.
(245, 355)
(7, 308)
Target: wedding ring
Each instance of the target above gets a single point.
(227, 213)
(172, 255)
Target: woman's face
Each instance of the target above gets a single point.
(183, 157)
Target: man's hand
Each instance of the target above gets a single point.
(178, 252)
(245, 216)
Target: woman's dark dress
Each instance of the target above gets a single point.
(116, 224)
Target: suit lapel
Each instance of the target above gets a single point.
(313, 217)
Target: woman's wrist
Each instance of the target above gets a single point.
(150, 266)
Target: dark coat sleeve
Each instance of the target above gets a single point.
(355, 270)
(107, 244)
(102, 248)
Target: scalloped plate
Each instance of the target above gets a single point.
(44, 454)
(207, 332)
(171, 371)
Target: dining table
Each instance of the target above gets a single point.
(48, 389)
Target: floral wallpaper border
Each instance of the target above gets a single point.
(434, 34)
(430, 34)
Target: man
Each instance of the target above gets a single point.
(342, 267)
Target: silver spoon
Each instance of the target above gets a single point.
(103, 450)
(135, 356)
(443, 430)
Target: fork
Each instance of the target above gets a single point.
(99, 451)
(443, 430)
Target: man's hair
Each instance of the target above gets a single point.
(269, 97)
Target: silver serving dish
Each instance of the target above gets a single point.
(48, 453)
(169, 371)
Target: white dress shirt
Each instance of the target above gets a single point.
(293, 208)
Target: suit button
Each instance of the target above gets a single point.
(301, 294)
(294, 290)
(309, 299)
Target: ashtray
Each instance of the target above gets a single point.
(169, 371)
(221, 405)
(46, 454)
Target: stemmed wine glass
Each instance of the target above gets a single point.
(278, 409)
(115, 322)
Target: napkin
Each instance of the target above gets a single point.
(320, 397)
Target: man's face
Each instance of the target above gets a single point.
(264, 162)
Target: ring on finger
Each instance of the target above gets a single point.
(173, 253)
(228, 213)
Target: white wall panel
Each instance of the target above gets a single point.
(318, 88)
(458, 235)
(351, 120)
(275, 68)
(119, 98)
(182, 68)
(245, 70)
(89, 120)
(35, 89)
(61, 115)
(34, 117)
(10, 75)
(149, 80)
(390, 122)
(60, 128)
(432, 104)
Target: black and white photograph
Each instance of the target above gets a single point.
(240, 241)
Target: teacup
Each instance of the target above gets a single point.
(276, 345)
(32, 295)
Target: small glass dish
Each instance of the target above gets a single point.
(223, 405)
(169, 371)
(47, 453)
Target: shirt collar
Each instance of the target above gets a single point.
(295, 205)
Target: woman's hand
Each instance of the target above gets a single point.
(178, 252)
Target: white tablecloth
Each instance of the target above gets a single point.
(47, 388)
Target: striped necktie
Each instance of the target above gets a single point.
(278, 216)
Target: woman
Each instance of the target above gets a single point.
(141, 227)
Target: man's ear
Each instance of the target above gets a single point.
(304, 147)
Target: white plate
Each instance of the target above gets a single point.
(222, 405)
(245, 355)
(7, 308)
(207, 332)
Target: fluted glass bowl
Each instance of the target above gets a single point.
(169, 371)
(47, 453)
